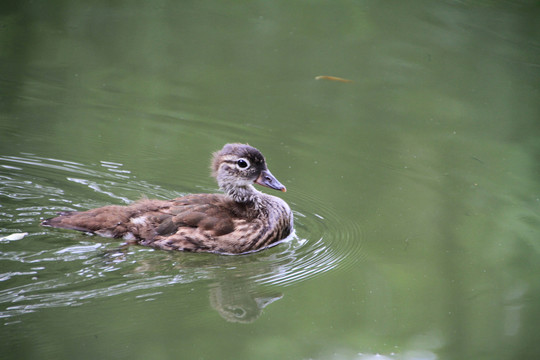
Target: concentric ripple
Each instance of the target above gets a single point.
(322, 242)
(33, 188)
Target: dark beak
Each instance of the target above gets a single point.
(267, 179)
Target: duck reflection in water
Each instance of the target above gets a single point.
(233, 290)
(236, 301)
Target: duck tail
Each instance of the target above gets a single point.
(66, 220)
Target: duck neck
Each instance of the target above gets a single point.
(243, 194)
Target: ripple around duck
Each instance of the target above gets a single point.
(322, 242)
(30, 177)
(38, 187)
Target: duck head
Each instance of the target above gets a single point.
(237, 167)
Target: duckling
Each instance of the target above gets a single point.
(241, 220)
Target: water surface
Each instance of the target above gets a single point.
(415, 187)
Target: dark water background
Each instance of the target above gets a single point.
(415, 188)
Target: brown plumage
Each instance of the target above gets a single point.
(241, 220)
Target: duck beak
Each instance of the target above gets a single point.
(267, 179)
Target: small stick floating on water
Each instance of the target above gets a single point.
(332, 78)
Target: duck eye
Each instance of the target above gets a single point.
(242, 163)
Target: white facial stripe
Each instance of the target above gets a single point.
(229, 158)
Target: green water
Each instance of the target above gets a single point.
(415, 188)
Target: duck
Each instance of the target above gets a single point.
(239, 220)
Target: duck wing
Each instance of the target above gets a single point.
(203, 222)
(192, 222)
